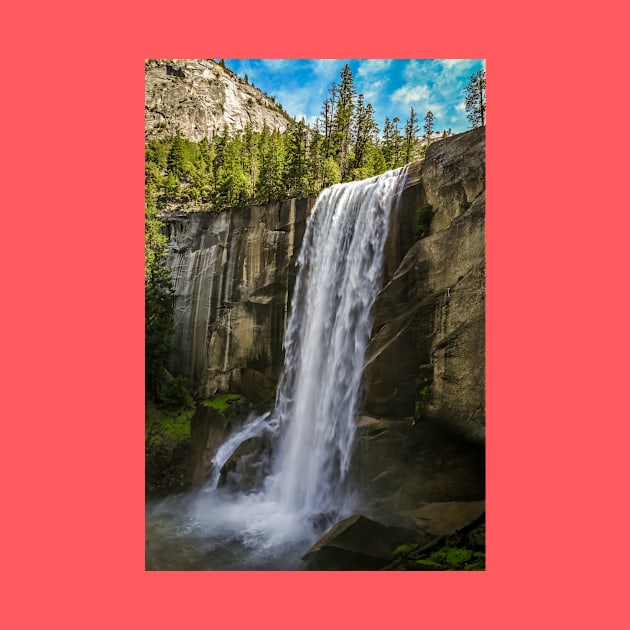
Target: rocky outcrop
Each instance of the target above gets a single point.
(429, 319)
(233, 274)
(198, 98)
(420, 436)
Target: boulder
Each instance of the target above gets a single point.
(247, 467)
(449, 517)
(399, 466)
(358, 543)
(208, 431)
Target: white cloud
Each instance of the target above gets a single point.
(328, 68)
(458, 64)
(368, 67)
(374, 91)
(411, 95)
(275, 65)
(416, 69)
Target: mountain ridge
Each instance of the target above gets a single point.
(200, 98)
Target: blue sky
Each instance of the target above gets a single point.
(393, 86)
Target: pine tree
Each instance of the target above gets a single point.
(231, 179)
(475, 104)
(270, 185)
(428, 127)
(328, 114)
(411, 131)
(343, 120)
(365, 130)
(296, 160)
(316, 158)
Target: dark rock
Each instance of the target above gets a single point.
(449, 517)
(247, 467)
(358, 543)
(399, 466)
(429, 319)
(165, 466)
(208, 431)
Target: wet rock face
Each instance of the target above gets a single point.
(197, 98)
(429, 319)
(208, 431)
(246, 469)
(233, 274)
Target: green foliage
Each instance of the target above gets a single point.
(411, 131)
(157, 295)
(163, 424)
(424, 215)
(403, 550)
(222, 403)
(424, 396)
(175, 394)
(428, 126)
(458, 559)
(475, 104)
(332, 174)
(458, 552)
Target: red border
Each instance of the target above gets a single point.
(72, 111)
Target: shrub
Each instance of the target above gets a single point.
(175, 393)
(424, 396)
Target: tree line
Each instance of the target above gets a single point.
(343, 144)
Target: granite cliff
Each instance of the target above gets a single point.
(232, 274)
(198, 98)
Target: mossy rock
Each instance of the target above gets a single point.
(460, 552)
(164, 426)
(224, 402)
(404, 550)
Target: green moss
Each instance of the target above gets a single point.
(458, 559)
(221, 403)
(404, 550)
(424, 396)
(454, 553)
(163, 425)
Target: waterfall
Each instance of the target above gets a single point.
(312, 424)
(329, 327)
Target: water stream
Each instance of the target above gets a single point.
(312, 425)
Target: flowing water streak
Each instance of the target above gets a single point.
(326, 338)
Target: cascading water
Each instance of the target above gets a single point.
(313, 421)
(340, 271)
